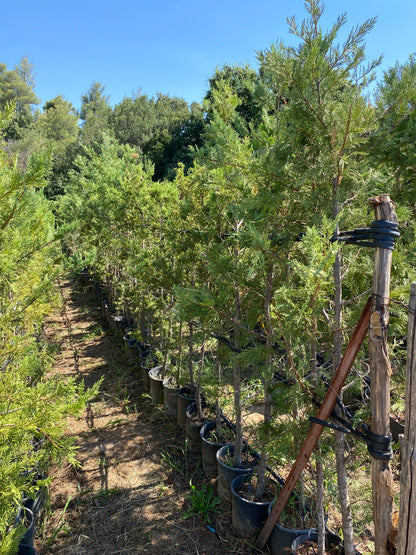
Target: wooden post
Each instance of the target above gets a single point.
(407, 522)
(316, 429)
(380, 371)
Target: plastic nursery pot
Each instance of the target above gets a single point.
(227, 472)
(185, 398)
(104, 307)
(118, 324)
(209, 451)
(145, 365)
(332, 542)
(26, 550)
(248, 516)
(282, 538)
(26, 517)
(133, 353)
(193, 429)
(156, 384)
(127, 337)
(170, 396)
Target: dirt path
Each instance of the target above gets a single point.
(129, 494)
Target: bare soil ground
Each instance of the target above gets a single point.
(130, 491)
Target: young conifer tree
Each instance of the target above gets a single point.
(321, 127)
(33, 409)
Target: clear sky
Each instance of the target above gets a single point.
(171, 46)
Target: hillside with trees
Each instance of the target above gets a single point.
(211, 228)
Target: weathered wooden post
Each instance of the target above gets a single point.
(407, 523)
(380, 371)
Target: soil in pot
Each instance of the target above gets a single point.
(227, 472)
(308, 544)
(290, 526)
(210, 444)
(185, 398)
(249, 515)
(170, 396)
(156, 376)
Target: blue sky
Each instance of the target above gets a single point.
(173, 46)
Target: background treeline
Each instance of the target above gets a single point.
(210, 224)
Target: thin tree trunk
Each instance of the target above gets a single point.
(218, 411)
(191, 354)
(198, 382)
(238, 447)
(261, 472)
(320, 504)
(320, 491)
(342, 478)
(179, 363)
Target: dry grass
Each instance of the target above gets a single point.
(125, 497)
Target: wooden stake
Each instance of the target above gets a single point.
(407, 523)
(316, 429)
(380, 372)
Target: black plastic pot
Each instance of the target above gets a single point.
(170, 396)
(133, 353)
(331, 541)
(26, 550)
(193, 430)
(248, 517)
(185, 398)
(209, 451)
(127, 337)
(104, 308)
(144, 366)
(282, 538)
(227, 473)
(304, 540)
(156, 384)
(26, 516)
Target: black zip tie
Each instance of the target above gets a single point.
(381, 233)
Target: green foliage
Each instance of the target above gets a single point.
(95, 114)
(33, 408)
(17, 86)
(163, 129)
(235, 244)
(203, 503)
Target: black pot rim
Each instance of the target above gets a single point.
(207, 428)
(237, 481)
(230, 448)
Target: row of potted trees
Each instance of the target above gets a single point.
(212, 435)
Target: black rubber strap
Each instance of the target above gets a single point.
(380, 234)
(378, 446)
